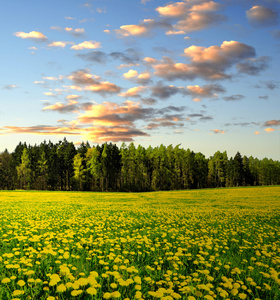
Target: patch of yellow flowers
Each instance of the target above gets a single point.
(164, 245)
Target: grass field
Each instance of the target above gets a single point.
(198, 244)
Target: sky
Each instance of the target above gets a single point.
(200, 73)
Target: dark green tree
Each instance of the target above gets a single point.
(24, 171)
(238, 171)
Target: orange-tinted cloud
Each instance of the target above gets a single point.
(190, 15)
(174, 10)
(174, 32)
(40, 130)
(10, 86)
(73, 97)
(216, 131)
(196, 21)
(111, 114)
(101, 134)
(150, 60)
(84, 81)
(226, 54)
(272, 123)
(134, 30)
(133, 92)
(142, 29)
(269, 129)
(63, 108)
(105, 122)
(142, 78)
(261, 16)
(75, 32)
(35, 35)
(209, 63)
(205, 91)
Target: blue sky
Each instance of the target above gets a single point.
(203, 74)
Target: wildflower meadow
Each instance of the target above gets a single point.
(198, 244)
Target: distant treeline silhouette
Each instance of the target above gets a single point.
(106, 167)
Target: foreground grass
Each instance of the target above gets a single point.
(200, 244)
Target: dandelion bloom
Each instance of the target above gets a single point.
(91, 291)
(116, 294)
(61, 288)
(107, 295)
(113, 285)
(21, 283)
(76, 293)
(18, 293)
(138, 295)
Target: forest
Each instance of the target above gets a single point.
(106, 167)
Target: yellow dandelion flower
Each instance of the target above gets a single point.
(176, 295)
(129, 281)
(113, 285)
(138, 295)
(208, 297)
(6, 280)
(76, 293)
(61, 288)
(76, 285)
(91, 291)
(107, 295)
(234, 292)
(18, 292)
(83, 281)
(51, 298)
(21, 283)
(137, 279)
(94, 274)
(116, 294)
(223, 294)
(242, 296)
(68, 285)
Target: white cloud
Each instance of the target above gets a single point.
(174, 32)
(59, 44)
(87, 45)
(130, 74)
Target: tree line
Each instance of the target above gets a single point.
(106, 167)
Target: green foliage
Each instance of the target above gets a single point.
(106, 167)
(24, 171)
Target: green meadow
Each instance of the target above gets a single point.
(193, 244)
